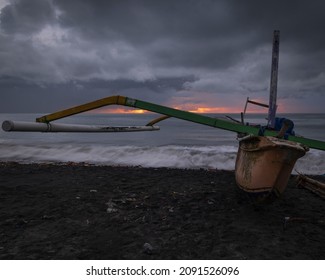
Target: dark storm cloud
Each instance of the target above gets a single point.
(186, 33)
(48, 97)
(189, 30)
(26, 16)
(157, 86)
(84, 49)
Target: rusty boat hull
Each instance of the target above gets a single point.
(264, 164)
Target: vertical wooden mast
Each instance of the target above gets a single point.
(274, 79)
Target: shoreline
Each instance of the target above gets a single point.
(84, 211)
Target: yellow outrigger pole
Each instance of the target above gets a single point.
(171, 112)
(44, 124)
(264, 160)
(263, 164)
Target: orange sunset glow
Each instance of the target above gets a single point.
(208, 110)
(201, 108)
(120, 110)
(194, 108)
(198, 110)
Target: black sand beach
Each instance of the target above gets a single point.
(77, 211)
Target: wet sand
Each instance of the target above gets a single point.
(79, 211)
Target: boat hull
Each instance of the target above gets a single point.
(264, 164)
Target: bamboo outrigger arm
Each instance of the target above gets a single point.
(59, 127)
(111, 100)
(153, 122)
(184, 115)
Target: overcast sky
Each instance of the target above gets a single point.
(182, 53)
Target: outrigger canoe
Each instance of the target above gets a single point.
(264, 164)
(266, 154)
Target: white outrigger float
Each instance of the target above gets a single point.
(266, 154)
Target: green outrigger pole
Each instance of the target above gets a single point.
(263, 164)
(43, 123)
(170, 112)
(220, 123)
(184, 115)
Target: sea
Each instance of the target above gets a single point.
(178, 143)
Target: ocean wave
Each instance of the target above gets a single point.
(221, 157)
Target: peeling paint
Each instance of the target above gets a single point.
(264, 164)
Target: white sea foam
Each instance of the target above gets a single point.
(220, 157)
(312, 163)
(174, 156)
(178, 144)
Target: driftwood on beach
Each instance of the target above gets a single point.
(312, 185)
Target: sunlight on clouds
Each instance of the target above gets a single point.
(250, 75)
(3, 3)
(68, 57)
(142, 73)
(119, 110)
(51, 36)
(198, 110)
(208, 110)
